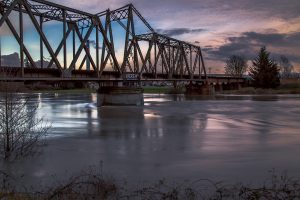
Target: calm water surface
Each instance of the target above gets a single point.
(229, 138)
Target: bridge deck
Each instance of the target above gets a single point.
(53, 75)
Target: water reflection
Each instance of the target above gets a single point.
(171, 136)
(265, 98)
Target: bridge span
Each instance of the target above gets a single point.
(107, 47)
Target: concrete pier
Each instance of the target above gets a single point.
(200, 89)
(210, 88)
(120, 95)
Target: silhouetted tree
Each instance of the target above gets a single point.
(235, 66)
(264, 72)
(21, 131)
(286, 67)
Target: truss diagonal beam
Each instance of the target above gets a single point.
(107, 43)
(87, 51)
(169, 56)
(14, 32)
(6, 14)
(60, 45)
(42, 35)
(81, 47)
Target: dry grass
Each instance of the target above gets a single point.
(95, 186)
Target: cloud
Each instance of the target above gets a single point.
(94, 44)
(248, 43)
(179, 31)
(274, 23)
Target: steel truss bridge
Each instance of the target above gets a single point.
(143, 56)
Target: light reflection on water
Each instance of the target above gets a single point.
(223, 137)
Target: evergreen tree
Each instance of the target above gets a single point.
(264, 72)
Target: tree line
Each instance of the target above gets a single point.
(264, 71)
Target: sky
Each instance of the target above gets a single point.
(221, 27)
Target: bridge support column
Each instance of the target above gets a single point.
(119, 95)
(200, 89)
(219, 87)
(233, 86)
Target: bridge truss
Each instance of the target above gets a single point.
(147, 54)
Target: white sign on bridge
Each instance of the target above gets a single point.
(131, 76)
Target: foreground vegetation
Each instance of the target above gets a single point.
(163, 90)
(90, 185)
(288, 86)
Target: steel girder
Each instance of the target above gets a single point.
(81, 24)
(163, 54)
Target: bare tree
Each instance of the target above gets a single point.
(235, 66)
(21, 131)
(286, 67)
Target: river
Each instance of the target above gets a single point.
(222, 138)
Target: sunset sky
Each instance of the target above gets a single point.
(221, 28)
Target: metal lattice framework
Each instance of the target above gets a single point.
(148, 55)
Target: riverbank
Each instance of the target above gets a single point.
(147, 90)
(90, 185)
(284, 89)
(288, 86)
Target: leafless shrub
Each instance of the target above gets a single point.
(90, 185)
(235, 66)
(21, 131)
(84, 186)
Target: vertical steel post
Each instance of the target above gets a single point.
(191, 63)
(169, 60)
(136, 62)
(173, 60)
(107, 23)
(203, 65)
(125, 59)
(41, 45)
(97, 51)
(155, 57)
(74, 42)
(21, 40)
(181, 61)
(0, 51)
(162, 61)
(112, 44)
(65, 38)
(103, 43)
(149, 60)
(88, 62)
(200, 69)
